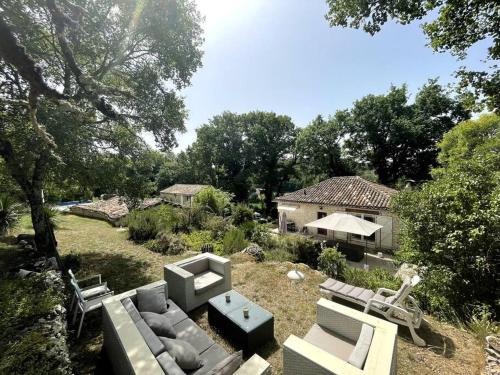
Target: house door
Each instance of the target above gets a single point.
(322, 231)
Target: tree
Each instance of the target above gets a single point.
(397, 139)
(319, 149)
(458, 26)
(450, 225)
(212, 200)
(78, 79)
(271, 139)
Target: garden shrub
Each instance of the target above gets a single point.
(373, 279)
(143, 225)
(196, 239)
(217, 226)
(263, 237)
(212, 200)
(332, 262)
(248, 227)
(241, 214)
(234, 241)
(303, 249)
(9, 213)
(167, 243)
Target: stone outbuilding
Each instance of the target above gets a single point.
(181, 194)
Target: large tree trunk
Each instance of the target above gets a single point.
(43, 236)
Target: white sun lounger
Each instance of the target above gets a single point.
(396, 306)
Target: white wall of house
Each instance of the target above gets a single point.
(386, 238)
(181, 199)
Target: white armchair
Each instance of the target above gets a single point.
(193, 281)
(344, 341)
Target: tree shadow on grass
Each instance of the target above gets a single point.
(435, 341)
(122, 273)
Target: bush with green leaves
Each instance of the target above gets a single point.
(218, 226)
(262, 237)
(143, 225)
(303, 249)
(241, 214)
(212, 200)
(167, 243)
(373, 279)
(9, 213)
(332, 262)
(248, 227)
(450, 225)
(52, 215)
(234, 241)
(196, 239)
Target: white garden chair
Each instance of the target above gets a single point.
(86, 304)
(90, 290)
(396, 306)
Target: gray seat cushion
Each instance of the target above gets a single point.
(211, 357)
(153, 342)
(174, 313)
(339, 346)
(168, 364)
(360, 352)
(131, 309)
(152, 300)
(184, 353)
(160, 324)
(228, 365)
(187, 330)
(206, 280)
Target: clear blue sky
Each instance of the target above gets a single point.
(281, 56)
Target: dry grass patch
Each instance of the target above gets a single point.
(125, 265)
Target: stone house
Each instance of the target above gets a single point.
(350, 194)
(181, 194)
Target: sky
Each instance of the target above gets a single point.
(282, 56)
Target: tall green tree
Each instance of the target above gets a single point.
(456, 26)
(271, 139)
(81, 78)
(319, 149)
(398, 139)
(450, 225)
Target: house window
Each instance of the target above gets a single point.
(363, 238)
(322, 231)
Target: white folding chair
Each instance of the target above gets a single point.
(89, 290)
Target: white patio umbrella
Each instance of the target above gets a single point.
(346, 223)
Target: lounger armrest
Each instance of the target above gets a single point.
(302, 358)
(385, 304)
(104, 284)
(256, 365)
(381, 291)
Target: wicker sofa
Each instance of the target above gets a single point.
(193, 281)
(133, 350)
(344, 341)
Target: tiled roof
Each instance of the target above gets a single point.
(348, 191)
(184, 189)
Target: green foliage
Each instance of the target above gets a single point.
(262, 237)
(217, 226)
(248, 228)
(302, 249)
(481, 323)
(52, 215)
(373, 279)
(143, 225)
(234, 241)
(196, 239)
(241, 214)
(457, 26)
(450, 225)
(332, 262)
(397, 139)
(9, 213)
(279, 255)
(167, 243)
(212, 200)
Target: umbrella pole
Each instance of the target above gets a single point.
(366, 255)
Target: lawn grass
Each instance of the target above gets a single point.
(100, 248)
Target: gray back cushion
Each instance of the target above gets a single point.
(152, 300)
(131, 309)
(160, 324)
(360, 352)
(228, 365)
(183, 352)
(196, 266)
(151, 339)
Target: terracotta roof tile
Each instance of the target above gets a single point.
(347, 191)
(184, 189)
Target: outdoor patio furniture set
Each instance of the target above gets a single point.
(148, 330)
